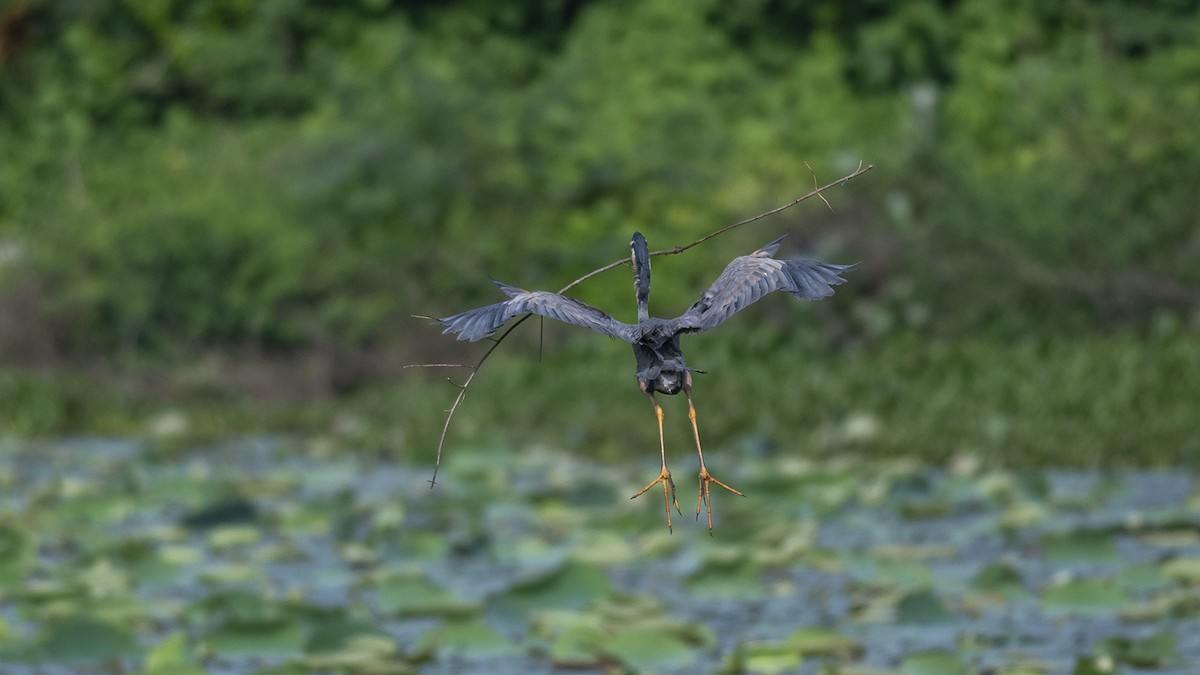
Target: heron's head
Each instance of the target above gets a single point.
(639, 256)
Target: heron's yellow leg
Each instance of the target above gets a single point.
(664, 476)
(705, 477)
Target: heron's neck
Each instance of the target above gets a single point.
(640, 261)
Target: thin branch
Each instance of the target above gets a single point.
(814, 175)
(462, 391)
(680, 249)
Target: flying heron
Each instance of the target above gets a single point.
(660, 364)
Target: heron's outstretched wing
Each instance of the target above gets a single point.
(476, 324)
(748, 278)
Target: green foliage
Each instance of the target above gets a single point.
(295, 176)
(226, 172)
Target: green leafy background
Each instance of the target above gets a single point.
(218, 217)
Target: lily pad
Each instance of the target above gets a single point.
(1080, 546)
(373, 654)
(233, 536)
(16, 553)
(1084, 596)
(766, 659)
(921, 607)
(998, 577)
(886, 572)
(1143, 577)
(649, 649)
(334, 633)
(575, 638)
(815, 641)
(572, 585)
(933, 663)
(727, 576)
(81, 638)
(145, 562)
(1184, 570)
(472, 638)
(411, 593)
(275, 639)
(172, 656)
(1156, 651)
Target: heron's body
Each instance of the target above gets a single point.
(660, 364)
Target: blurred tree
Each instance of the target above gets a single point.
(293, 173)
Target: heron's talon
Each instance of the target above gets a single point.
(668, 485)
(704, 497)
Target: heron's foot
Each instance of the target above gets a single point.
(705, 479)
(668, 486)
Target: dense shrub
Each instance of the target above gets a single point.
(291, 173)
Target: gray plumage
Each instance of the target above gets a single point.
(745, 280)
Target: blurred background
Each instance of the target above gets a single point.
(217, 217)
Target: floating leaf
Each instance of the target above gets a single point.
(1171, 538)
(727, 576)
(16, 553)
(1084, 595)
(172, 657)
(465, 637)
(232, 536)
(814, 641)
(603, 548)
(933, 663)
(82, 638)
(575, 638)
(572, 585)
(1143, 577)
(232, 573)
(997, 577)
(243, 608)
(335, 632)
(1157, 651)
(921, 607)
(1022, 514)
(1185, 570)
(275, 639)
(102, 580)
(145, 562)
(1080, 546)
(1100, 665)
(224, 511)
(411, 593)
(769, 659)
(374, 654)
(421, 545)
(245, 623)
(885, 572)
(648, 649)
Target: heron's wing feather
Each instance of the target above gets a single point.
(476, 324)
(750, 277)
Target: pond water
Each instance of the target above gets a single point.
(278, 555)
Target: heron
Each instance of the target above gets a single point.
(661, 367)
